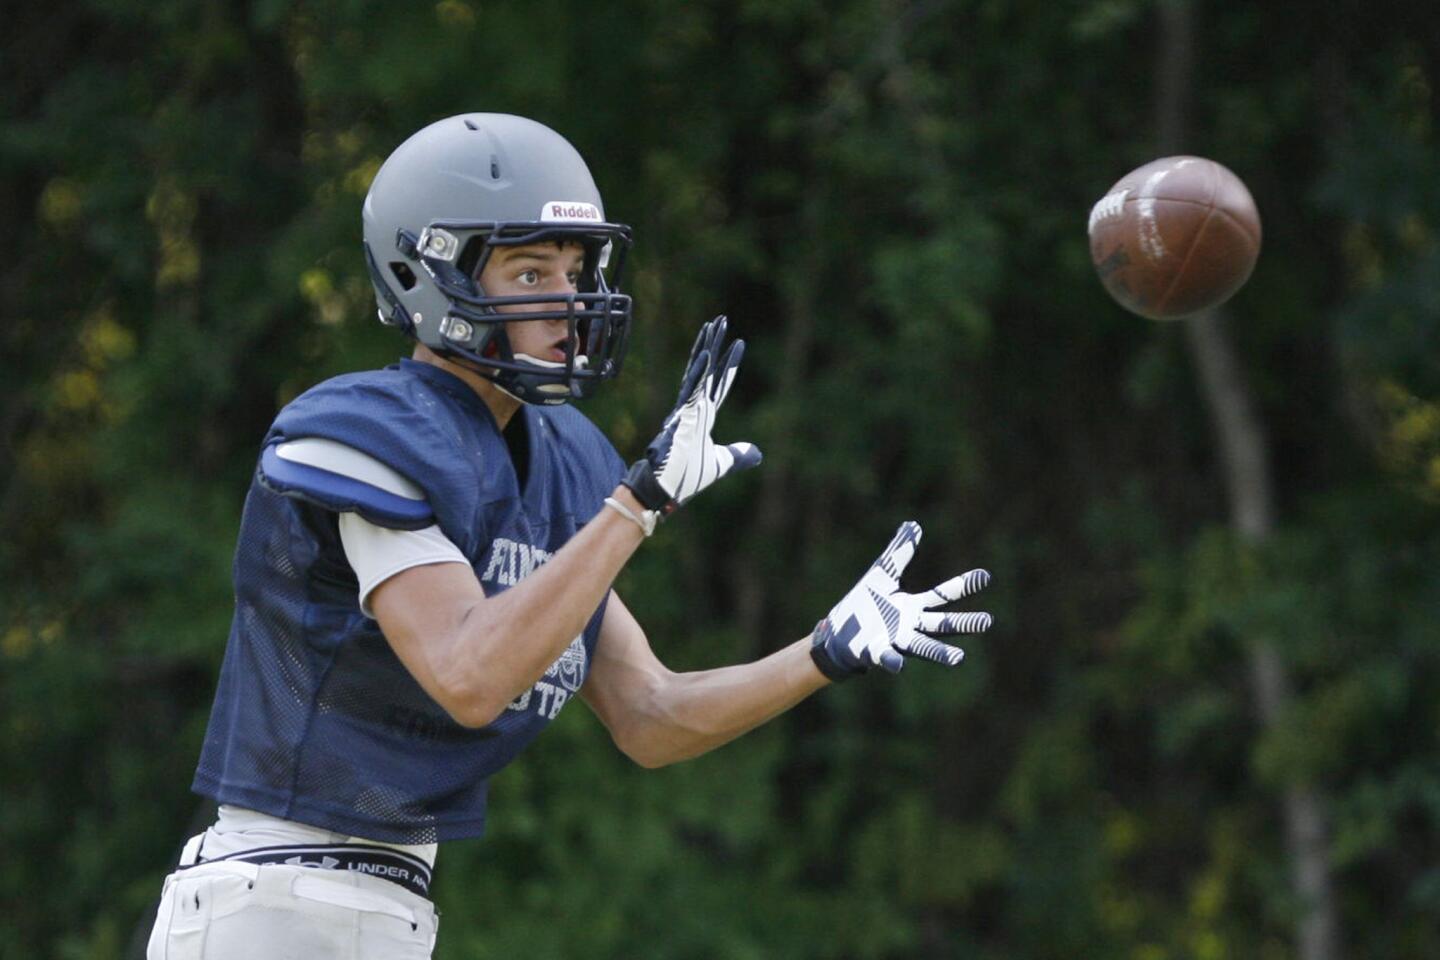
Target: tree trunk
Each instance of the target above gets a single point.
(1245, 459)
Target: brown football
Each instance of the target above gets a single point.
(1174, 237)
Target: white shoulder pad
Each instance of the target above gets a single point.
(338, 477)
(345, 460)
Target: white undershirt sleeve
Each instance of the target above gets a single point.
(377, 553)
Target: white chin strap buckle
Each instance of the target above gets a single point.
(582, 362)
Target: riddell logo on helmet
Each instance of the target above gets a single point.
(569, 210)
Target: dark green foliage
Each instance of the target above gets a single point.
(889, 200)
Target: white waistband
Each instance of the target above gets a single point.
(237, 830)
(344, 889)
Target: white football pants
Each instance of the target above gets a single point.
(229, 910)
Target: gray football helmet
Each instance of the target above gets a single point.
(452, 193)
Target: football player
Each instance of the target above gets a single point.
(424, 567)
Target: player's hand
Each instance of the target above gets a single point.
(878, 624)
(682, 460)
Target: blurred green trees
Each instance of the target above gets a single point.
(888, 199)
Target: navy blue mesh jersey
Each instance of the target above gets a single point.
(315, 719)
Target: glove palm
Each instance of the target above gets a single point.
(878, 624)
(682, 460)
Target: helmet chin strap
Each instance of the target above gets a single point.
(546, 390)
(581, 362)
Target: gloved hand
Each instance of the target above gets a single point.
(877, 624)
(682, 460)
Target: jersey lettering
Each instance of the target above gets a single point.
(561, 682)
(510, 562)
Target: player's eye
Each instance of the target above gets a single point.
(529, 277)
(573, 278)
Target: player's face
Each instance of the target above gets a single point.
(540, 268)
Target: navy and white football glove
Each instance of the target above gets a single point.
(877, 624)
(682, 460)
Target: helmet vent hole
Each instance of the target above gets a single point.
(494, 167)
(471, 124)
(404, 274)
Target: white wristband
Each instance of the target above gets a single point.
(645, 520)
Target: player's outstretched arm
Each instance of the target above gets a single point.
(657, 716)
(474, 654)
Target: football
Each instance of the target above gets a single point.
(1175, 237)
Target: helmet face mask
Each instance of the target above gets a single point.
(530, 187)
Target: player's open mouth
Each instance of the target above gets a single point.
(556, 356)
